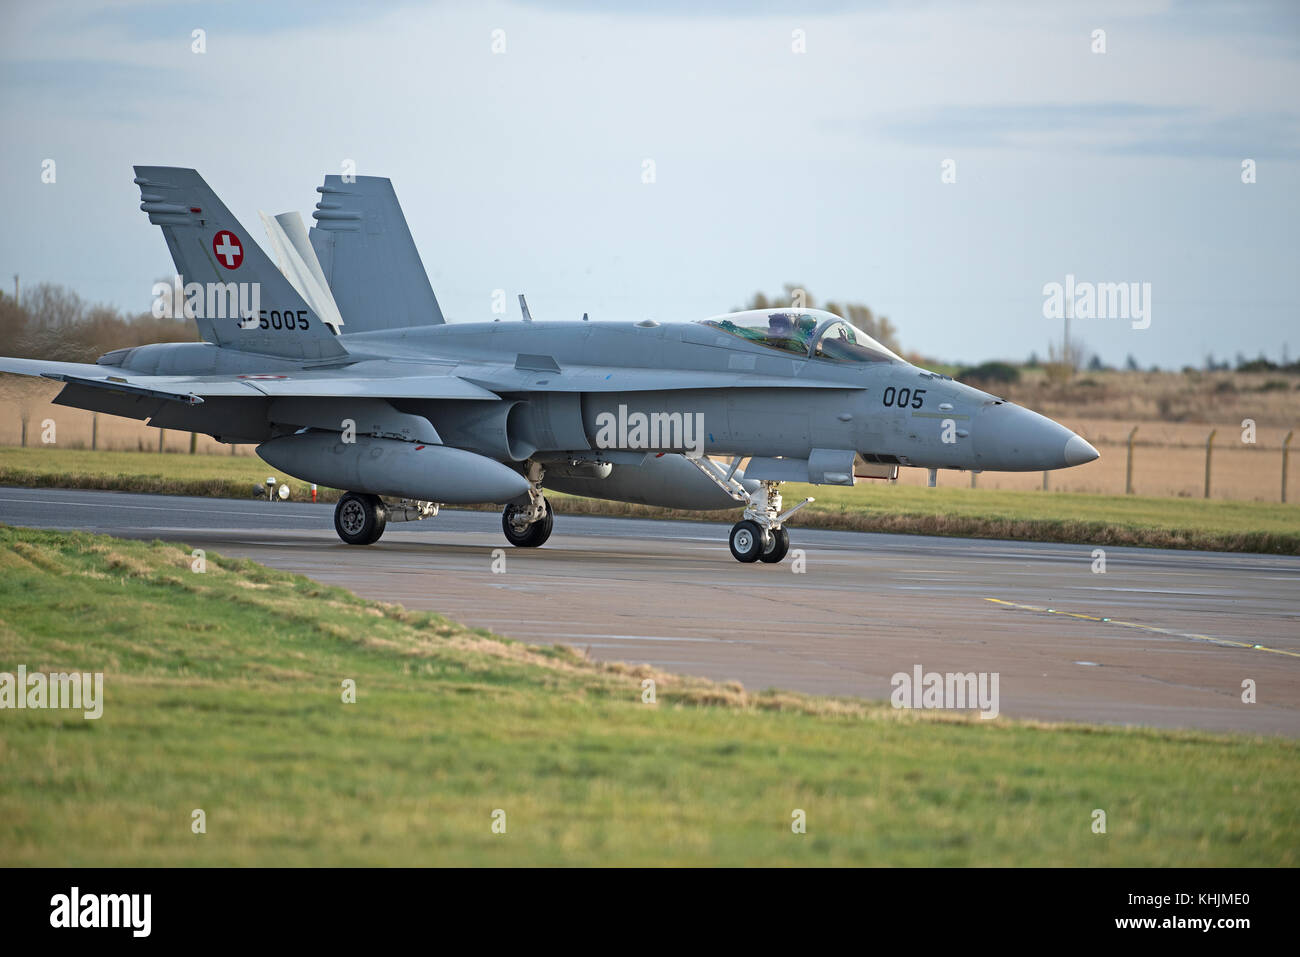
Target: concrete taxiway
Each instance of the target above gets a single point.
(1162, 638)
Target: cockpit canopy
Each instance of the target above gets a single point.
(809, 333)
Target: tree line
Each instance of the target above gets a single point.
(53, 322)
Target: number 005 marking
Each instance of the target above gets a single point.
(902, 398)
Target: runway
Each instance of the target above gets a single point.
(1161, 638)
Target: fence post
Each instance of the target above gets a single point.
(973, 473)
(24, 431)
(94, 432)
(1128, 469)
(194, 442)
(1044, 480)
(162, 436)
(1209, 448)
(1285, 451)
(934, 477)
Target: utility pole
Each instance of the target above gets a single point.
(1286, 447)
(1066, 352)
(1128, 468)
(1209, 448)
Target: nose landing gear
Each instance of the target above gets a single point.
(760, 536)
(750, 543)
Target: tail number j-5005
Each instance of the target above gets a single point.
(288, 319)
(902, 398)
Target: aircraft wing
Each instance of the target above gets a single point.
(194, 389)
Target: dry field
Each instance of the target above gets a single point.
(1168, 459)
(23, 397)
(1218, 398)
(1169, 453)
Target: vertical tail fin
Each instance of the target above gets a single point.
(235, 293)
(369, 258)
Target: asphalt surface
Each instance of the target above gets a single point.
(1161, 638)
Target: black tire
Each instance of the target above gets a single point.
(746, 541)
(777, 550)
(533, 535)
(359, 518)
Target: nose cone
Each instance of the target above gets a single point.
(1079, 452)
(1009, 438)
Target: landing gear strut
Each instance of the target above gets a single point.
(529, 525)
(760, 536)
(359, 518)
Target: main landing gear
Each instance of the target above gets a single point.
(360, 518)
(760, 536)
(529, 525)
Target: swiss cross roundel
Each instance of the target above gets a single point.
(228, 249)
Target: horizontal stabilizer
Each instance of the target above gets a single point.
(115, 384)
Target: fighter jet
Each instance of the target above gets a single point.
(338, 365)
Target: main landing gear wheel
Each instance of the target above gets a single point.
(779, 545)
(747, 541)
(525, 535)
(360, 518)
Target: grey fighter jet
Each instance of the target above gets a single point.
(337, 363)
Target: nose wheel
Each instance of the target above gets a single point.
(750, 543)
(778, 546)
(760, 536)
(746, 541)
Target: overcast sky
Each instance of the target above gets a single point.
(523, 170)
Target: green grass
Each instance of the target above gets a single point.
(222, 692)
(165, 472)
(1173, 513)
(1069, 516)
(871, 507)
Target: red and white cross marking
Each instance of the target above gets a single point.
(229, 251)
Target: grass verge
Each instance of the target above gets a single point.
(1212, 525)
(223, 693)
